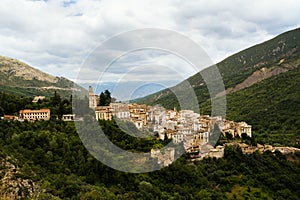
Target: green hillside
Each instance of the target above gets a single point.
(51, 156)
(270, 105)
(238, 67)
(273, 103)
(20, 79)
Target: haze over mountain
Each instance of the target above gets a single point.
(19, 78)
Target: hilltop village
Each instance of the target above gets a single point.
(185, 126)
(178, 125)
(191, 129)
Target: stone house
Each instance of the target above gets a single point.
(103, 112)
(32, 115)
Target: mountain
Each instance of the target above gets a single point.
(245, 68)
(262, 86)
(19, 78)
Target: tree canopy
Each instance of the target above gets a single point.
(105, 98)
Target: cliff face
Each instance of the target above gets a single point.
(264, 73)
(13, 183)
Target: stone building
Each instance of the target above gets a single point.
(32, 115)
(120, 110)
(236, 128)
(93, 98)
(243, 127)
(103, 112)
(157, 115)
(204, 123)
(68, 117)
(10, 117)
(139, 114)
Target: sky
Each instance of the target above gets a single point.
(60, 37)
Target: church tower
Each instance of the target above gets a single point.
(93, 98)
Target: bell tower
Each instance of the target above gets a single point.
(93, 98)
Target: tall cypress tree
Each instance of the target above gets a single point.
(105, 98)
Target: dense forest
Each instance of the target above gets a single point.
(11, 104)
(51, 154)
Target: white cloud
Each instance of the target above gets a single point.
(56, 35)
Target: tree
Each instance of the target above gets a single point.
(228, 135)
(102, 99)
(245, 136)
(105, 98)
(108, 97)
(56, 99)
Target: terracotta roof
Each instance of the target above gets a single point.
(34, 111)
(9, 117)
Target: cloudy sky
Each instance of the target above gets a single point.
(60, 36)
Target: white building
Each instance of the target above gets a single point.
(120, 110)
(32, 115)
(68, 117)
